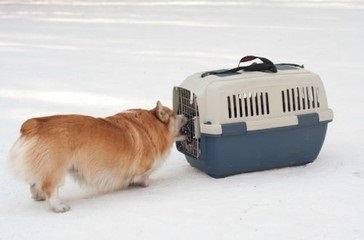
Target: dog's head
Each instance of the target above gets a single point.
(175, 122)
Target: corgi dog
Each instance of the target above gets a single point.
(105, 153)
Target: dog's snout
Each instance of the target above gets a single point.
(183, 119)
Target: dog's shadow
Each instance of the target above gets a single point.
(163, 179)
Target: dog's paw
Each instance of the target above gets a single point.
(141, 181)
(145, 183)
(36, 194)
(60, 208)
(38, 198)
(57, 206)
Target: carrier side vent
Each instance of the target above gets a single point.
(248, 104)
(300, 98)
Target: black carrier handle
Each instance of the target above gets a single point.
(266, 65)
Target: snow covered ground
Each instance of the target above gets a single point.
(98, 58)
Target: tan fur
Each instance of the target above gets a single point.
(106, 153)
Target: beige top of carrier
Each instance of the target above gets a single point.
(261, 99)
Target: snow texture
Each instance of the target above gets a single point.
(99, 58)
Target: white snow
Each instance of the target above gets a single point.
(98, 58)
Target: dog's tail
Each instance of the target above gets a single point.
(19, 158)
(20, 154)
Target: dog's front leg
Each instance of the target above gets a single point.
(142, 181)
(37, 195)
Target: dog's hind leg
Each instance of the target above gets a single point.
(50, 187)
(52, 178)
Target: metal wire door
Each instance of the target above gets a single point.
(187, 105)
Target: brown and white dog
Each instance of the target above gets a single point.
(106, 153)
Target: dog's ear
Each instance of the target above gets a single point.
(161, 113)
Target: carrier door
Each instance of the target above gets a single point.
(185, 102)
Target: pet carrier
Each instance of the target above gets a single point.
(252, 118)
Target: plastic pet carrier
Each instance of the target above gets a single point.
(252, 118)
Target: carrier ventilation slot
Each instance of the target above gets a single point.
(248, 104)
(187, 105)
(300, 98)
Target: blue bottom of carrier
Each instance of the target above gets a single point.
(233, 152)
